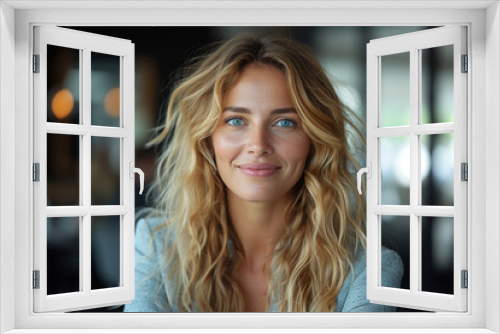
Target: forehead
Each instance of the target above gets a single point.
(259, 83)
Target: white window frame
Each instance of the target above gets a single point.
(413, 44)
(16, 22)
(123, 50)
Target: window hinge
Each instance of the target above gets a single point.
(464, 171)
(465, 64)
(36, 279)
(36, 63)
(36, 172)
(465, 279)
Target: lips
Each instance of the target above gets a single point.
(258, 169)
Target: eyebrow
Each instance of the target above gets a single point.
(244, 110)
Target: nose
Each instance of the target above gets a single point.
(259, 144)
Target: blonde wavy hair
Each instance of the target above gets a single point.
(324, 222)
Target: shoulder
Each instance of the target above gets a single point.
(150, 246)
(150, 232)
(352, 297)
(390, 261)
(149, 279)
(149, 223)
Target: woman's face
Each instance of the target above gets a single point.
(260, 146)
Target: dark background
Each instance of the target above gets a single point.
(159, 53)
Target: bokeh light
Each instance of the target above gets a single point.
(112, 102)
(62, 103)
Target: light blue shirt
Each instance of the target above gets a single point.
(150, 295)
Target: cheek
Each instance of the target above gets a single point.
(224, 146)
(298, 152)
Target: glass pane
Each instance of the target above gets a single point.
(396, 236)
(105, 252)
(437, 254)
(437, 84)
(63, 84)
(105, 79)
(437, 170)
(105, 171)
(395, 169)
(395, 89)
(63, 255)
(63, 170)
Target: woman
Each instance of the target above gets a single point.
(256, 209)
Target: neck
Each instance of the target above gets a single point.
(258, 226)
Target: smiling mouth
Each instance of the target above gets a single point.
(258, 169)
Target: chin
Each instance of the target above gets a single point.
(257, 200)
(258, 197)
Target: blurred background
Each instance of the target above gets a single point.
(159, 53)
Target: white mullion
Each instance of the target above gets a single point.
(415, 253)
(436, 128)
(419, 126)
(127, 79)
(122, 88)
(87, 177)
(422, 210)
(372, 184)
(123, 177)
(108, 131)
(392, 210)
(414, 171)
(67, 129)
(434, 211)
(419, 238)
(122, 273)
(81, 130)
(108, 210)
(378, 174)
(86, 254)
(421, 129)
(66, 211)
(379, 250)
(79, 127)
(80, 211)
(81, 249)
(123, 165)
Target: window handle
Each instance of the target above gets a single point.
(138, 171)
(367, 170)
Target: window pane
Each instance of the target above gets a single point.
(105, 171)
(437, 84)
(63, 170)
(396, 236)
(105, 78)
(63, 255)
(395, 169)
(437, 153)
(63, 84)
(395, 89)
(437, 254)
(105, 252)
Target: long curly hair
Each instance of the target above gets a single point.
(325, 221)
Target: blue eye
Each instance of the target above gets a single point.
(286, 123)
(235, 121)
